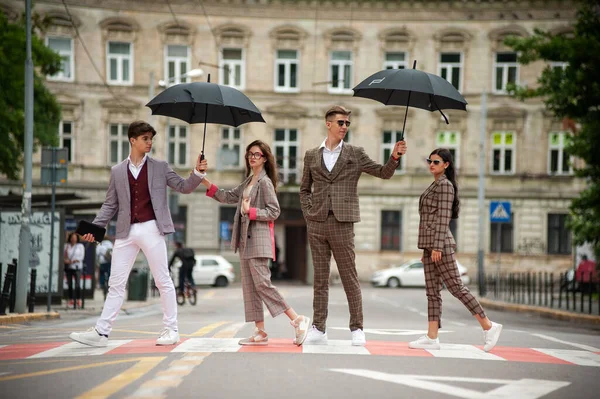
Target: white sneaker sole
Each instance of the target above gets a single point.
(362, 343)
(430, 347)
(315, 342)
(75, 337)
(495, 341)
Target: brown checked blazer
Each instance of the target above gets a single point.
(253, 234)
(118, 197)
(435, 211)
(320, 188)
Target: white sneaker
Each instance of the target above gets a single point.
(168, 337)
(315, 337)
(358, 338)
(490, 337)
(91, 337)
(425, 343)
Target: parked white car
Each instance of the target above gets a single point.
(212, 270)
(409, 274)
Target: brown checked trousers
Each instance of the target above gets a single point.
(435, 210)
(330, 206)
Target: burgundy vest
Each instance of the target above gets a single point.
(141, 204)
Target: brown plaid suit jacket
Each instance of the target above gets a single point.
(319, 187)
(435, 211)
(253, 234)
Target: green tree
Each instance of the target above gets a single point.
(12, 95)
(573, 94)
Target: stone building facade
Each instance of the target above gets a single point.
(294, 59)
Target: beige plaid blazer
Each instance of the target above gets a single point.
(321, 190)
(435, 211)
(253, 234)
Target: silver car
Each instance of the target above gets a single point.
(409, 274)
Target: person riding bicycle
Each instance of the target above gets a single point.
(188, 260)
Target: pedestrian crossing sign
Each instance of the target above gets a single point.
(500, 212)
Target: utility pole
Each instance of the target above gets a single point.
(481, 196)
(25, 232)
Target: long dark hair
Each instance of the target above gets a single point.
(270, 165)
(446, 156)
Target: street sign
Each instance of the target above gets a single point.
(54, 166)
(500, 211)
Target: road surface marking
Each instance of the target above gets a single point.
(206, 329)
(580, 346)
(581, 358)
(337, 347)
(77, 349)
(230, 331)
(456, 351)
(208, 294)
(391, 331)
(524, 388)
(208, 345)
(120, 381)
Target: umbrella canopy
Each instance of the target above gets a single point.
(206, 102)
(397, 86)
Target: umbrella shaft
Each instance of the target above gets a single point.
(405, 114)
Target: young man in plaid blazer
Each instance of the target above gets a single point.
(329, 199)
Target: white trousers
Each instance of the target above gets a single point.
(144, 236)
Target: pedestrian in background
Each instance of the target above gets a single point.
(104, 255)
(73, 258)
(253, 236)
(137, 193)
(329, 200)
(437, 205)
(188, 260)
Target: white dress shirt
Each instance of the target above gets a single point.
(135, 170)
(330, 157)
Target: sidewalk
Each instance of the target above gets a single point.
(92, 307)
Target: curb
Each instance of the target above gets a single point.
(544, 312)
(20, 318)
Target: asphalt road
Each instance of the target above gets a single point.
(535, 357)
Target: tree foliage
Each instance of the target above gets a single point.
(12, 95)
(573, 94)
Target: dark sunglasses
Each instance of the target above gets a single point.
(341, 123)
(435, 161)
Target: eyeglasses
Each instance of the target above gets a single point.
(435, 161)
(341, 123)
(255, 155)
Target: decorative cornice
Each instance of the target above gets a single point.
(60, 18)
(120, 24)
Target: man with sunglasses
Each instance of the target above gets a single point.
(329, 200)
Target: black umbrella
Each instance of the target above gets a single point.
(206, 102)
(412, 88)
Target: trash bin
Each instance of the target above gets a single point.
(138, 285)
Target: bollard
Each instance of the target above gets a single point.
(582, 293)
(32, 290)
(13, 289)
(560, 290)
(590, 290)
(551, 290)
(83, 288)
(8, 282)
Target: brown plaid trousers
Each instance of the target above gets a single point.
(258, 289)
(435, 210)
(322, 191)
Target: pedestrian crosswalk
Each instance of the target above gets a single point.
(334, 347)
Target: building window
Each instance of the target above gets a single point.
(507, 71)
(506, 236)
(226, 219)
(119, 143)
(177, 64)
(451, 141)
(558, 159)
(390, 137)
(178, 145)
(231, 147)
(395, 60)
(451, 68)
(65, 137)
(286, 154)
(286, 70)
(232, 68)
(558, 65)
(120, 63)
(64, 47)
(503, 149)
(559, 237)
(340, 70)
(391, 223)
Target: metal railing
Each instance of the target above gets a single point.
(544, 289)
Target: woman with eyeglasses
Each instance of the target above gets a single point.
(437, 205)
(253, 236)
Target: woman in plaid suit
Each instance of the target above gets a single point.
(254, 238)
(437, 205)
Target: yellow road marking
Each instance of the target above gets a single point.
(209, 294)
(230, 331)
(73, 368)
(118, 382)
(206, 329)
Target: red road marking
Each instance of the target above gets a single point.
(524, 355)
(394, 349)
(22, 351)
(276, 345)
(143, 346)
